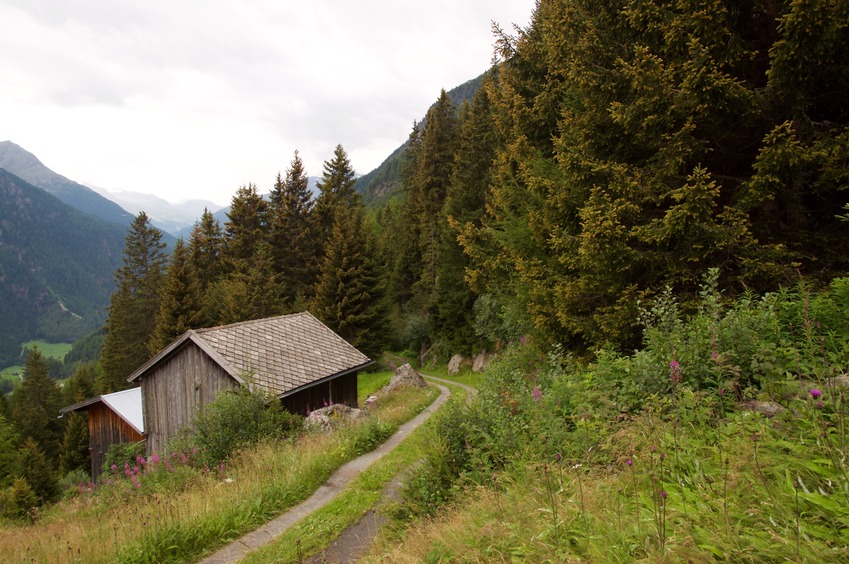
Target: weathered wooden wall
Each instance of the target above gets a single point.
(173, 390)
(105, 428)
(339, 390)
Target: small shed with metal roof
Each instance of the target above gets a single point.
(295, 358)
(112, 418)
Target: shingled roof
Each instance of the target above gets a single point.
(282, 354)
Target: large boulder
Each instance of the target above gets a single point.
(455, 364)
(323, 419)
(406, 376)
(481, 361)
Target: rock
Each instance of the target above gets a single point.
(323, 419)
(481, 361)
(370, 400)
(406, 376)
(766, 408)
(454, 364)
(840, 381)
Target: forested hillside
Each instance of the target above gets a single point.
(56, 266)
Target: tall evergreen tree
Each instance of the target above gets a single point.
(350, 297)
(206, 251)
(180, 302)
(430, 185)
(645, 143)
(246, 228)
(291, 235)
(35, 406)
(10, 460)
(38, 469)
(252, 293)
(452, 313)
(134, 305)
(336, 191)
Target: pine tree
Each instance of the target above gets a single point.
(452, 313)
(350, 297)
(134, 305)
(291, 235)
(206, 251)
(74, 452)
(336, 191)
(253, 293)
(246, 228)
(38, 471)
(10, 461)
(180, 304)
(432, 178)
(35, 406)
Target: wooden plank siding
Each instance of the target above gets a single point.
(175, 388)
(105, 429)
(338, 390)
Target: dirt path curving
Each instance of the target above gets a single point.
(324, 494)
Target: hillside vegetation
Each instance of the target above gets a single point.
(722, 437)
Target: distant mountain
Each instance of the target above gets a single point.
(56, 267)
(379, 185)
(26, 166)
(168, 217)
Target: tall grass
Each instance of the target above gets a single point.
(723, 438)
(174, 516)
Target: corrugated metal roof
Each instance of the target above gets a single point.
(281, 354)
(126, 404)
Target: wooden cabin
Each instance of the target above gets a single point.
(294, 358)
(112, 418)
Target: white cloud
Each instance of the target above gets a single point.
(192, 99)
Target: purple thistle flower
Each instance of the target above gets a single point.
(662, 456)
(559, 458)
(819, 405)
(815, 393)
(663, 494)
(629, 462)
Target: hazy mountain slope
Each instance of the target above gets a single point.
(380, 184)
(56, 267)
(167, 217)
(26, 166)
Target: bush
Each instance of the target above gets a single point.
(19, 501)
(120, 454)
(234, 420)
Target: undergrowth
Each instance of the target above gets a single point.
(724, 437)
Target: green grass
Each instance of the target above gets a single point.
(49, 350)
(180, 516)
(369, 383)
(322, 527)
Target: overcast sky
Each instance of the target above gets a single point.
(194, 98)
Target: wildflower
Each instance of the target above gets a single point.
(559, 458)
(675, 372)
(819, 405)
(114, 468)
(815, 393)
(663, 494)
(537, 394)
(661, 456)
(183, 458)
(629, 462)
(155, 458)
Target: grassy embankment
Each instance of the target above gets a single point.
(48, 350)
(724, 438)
(178, 512)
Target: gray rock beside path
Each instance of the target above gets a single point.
(405, 375)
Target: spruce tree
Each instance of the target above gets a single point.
(35, 407)
(252, 293)
(180, 304)
(38, 471)
(133, 306)
(10, 458)
(246, 227)
(206, 252)
(74, 452)
(336, 191)
(291, 235)
(350, 297)
(452, 313)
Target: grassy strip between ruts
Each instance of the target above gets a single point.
(190, 512)
(322, 527)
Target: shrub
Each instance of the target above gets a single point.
(120, 454)
(234, 420)
(19, 501)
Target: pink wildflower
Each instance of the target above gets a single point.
(815, 393)
(537, 394)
